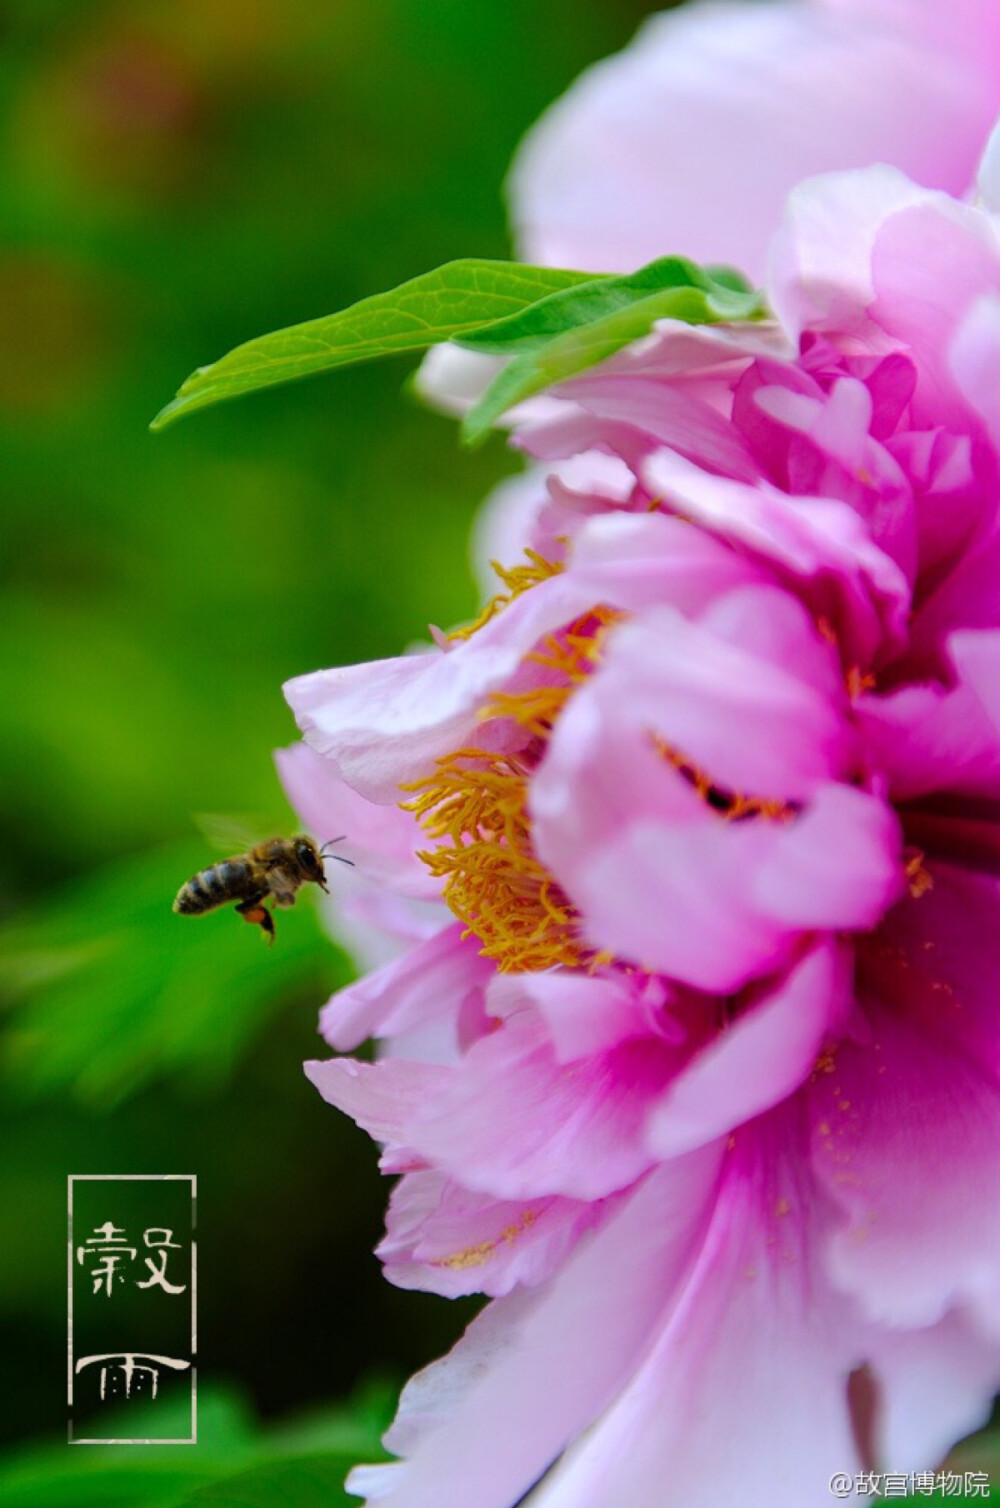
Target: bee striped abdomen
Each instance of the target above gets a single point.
(228, 881)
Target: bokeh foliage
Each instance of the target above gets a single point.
(179, 176)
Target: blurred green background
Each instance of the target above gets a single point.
(180, 175)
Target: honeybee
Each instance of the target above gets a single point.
(275, 868)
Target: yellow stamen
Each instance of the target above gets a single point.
(918, 876)
(476, 803)
(516, 579)
(731, 806)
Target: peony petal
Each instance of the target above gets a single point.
(381, 841)
(753, 1342)
(930, 264)
(819, 546)
(820, 262)
(906, 1130)
(518, 1124)
(429, 984)
(925, 738)
(744, 718)
(936, 1385)
(383, 724)
(761, 1058)
(583, 1013)
(973, 358)
(988, 177)
(535, 1368)
(836, 866)
(382, 1098)
(674, 416)
(731, 105)
(445, 1239)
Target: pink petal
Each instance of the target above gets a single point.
(518, 1124)
(583, 1013)
(906, 1130)
(930, 264)
(382, 1098)
(505, 522)
(729, 105)
(382, 841)
(752, 1344)
(636, 561)
(761, 1058)
(537, 1367)
(820, 263)
(988, 177)
(445, 1239)
(925, 738)
(744, 717)
(429, 984)
(936, 1385)
(974, 358)
(819, 545)
(836, 866)
(383, 724)
(680, 419)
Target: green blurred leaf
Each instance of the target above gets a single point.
(593, 322)
(233, 1464)
(453, 299)
(106, 986)
(315, 1481)
(136, 1476)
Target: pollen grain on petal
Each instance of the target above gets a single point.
(478, 1255)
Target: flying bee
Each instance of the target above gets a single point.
(275, 869)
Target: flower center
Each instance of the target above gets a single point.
(476, 806)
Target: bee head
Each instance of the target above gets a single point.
(309, 861)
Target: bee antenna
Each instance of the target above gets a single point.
(339, 857)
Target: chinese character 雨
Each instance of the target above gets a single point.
(129, 1364)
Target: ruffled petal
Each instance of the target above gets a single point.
(533, 1371)
(818, 546)
(446, 1239)
(518, 1124)
(430, 984)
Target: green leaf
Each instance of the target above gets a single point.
(315, 1481)
(607, 318)
(234, 1465)
(452, 300)
(584, 303)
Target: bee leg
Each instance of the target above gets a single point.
(253, 911)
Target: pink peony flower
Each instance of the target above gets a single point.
(697, 1072)
(691, 138)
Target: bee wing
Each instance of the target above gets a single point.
(233, 832)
